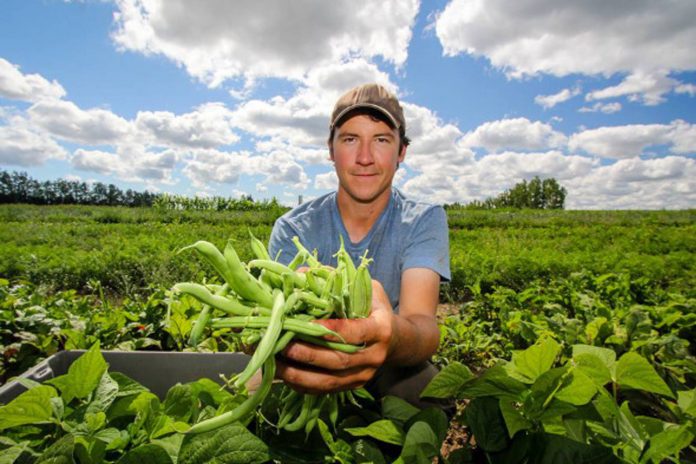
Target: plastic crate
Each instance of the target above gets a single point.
(156, 370)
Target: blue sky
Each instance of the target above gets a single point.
(230, 98)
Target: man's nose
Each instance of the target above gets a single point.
(364, 153)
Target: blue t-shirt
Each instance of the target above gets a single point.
(408, 234)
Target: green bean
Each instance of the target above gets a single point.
(342, 347)
(214, 257)
(258, 248)
(243, 283)
(247, 407)
(300, 421)
(264, 349)
(227, 304)
(261, 322)
(299, 280)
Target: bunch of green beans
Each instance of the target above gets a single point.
(273, 304)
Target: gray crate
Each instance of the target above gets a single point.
(156, 370)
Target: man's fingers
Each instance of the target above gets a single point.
(307, 380)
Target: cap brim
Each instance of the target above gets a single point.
(350, 108)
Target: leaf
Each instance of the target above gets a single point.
(383, 430)
(580, 390)
(564, 450)
(436, 420)
(495, 381)
(367, 452)
(179, 402)
(31, 407)
(687, 401)
(171, 444)
(634, 371)
(420, 445)
(593, 367)
(448, 382)
(60, 452)
(514, 419)
(529, 364)
(106, 393)
(10, 455)
(83, 375)
(668, 443)
(606, 355)
(486, 421)
(149, 453)
(230, 444)
(126, 385)
(398, 409)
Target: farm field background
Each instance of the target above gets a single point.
(620, 280)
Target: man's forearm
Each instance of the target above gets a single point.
(415, 339)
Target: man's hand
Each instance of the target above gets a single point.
(312, 369)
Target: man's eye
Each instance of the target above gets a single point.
(383, 140)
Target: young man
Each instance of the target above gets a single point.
(408, 241)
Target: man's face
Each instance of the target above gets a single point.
(366, 154)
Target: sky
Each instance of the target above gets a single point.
(230, 98)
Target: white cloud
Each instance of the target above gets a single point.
(636, 184)
(207, 126)
(130, 162)
(606, 108)
(527, 37)
(26, 87)
(633, 140)
(326, 181)
(514, 134)
(23, 145)
(648, 88)
(65, 120)
(220, 40)
(549, 101)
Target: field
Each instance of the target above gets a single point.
(590, 313)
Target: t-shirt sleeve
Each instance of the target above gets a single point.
(428, 245)
(280, 244)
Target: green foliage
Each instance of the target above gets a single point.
(535, 194)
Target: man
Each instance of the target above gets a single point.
(408, 241)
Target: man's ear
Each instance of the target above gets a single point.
(331, 153)
(402, 155)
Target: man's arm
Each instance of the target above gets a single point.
(409, 337)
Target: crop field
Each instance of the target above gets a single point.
(566, 336)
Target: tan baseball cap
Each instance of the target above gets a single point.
(370, 96)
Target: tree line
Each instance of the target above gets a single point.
(535, 194)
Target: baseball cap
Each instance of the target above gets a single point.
(369, 96)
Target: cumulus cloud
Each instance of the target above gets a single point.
(207, 126)
(130, 162)
(284, 39)
(606, 108)
(65, 120)
(24, 145)
(633, 140)
(648, 88)
(514, 134)
(528, 37)
(549, 101)
(26, 87)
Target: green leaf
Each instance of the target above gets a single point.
(495, 381)
(634, 371)
(486, 421)
(179, 402)
(83, 375)
(529, 364)
(687, 401)
(593, 367)
(668, 443)
(171, 444)
(607, 355)
(126, 385)
(436, 420)
(564, 450)
(420, 445)
(10, 455)
(106, 393)
(514, 419)
(448, 382)
(367, 452)
(398, 409)
(383, 430)
(149, 453)
(230, 444)
(31, 407)
(60, 452)
(579, 390)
